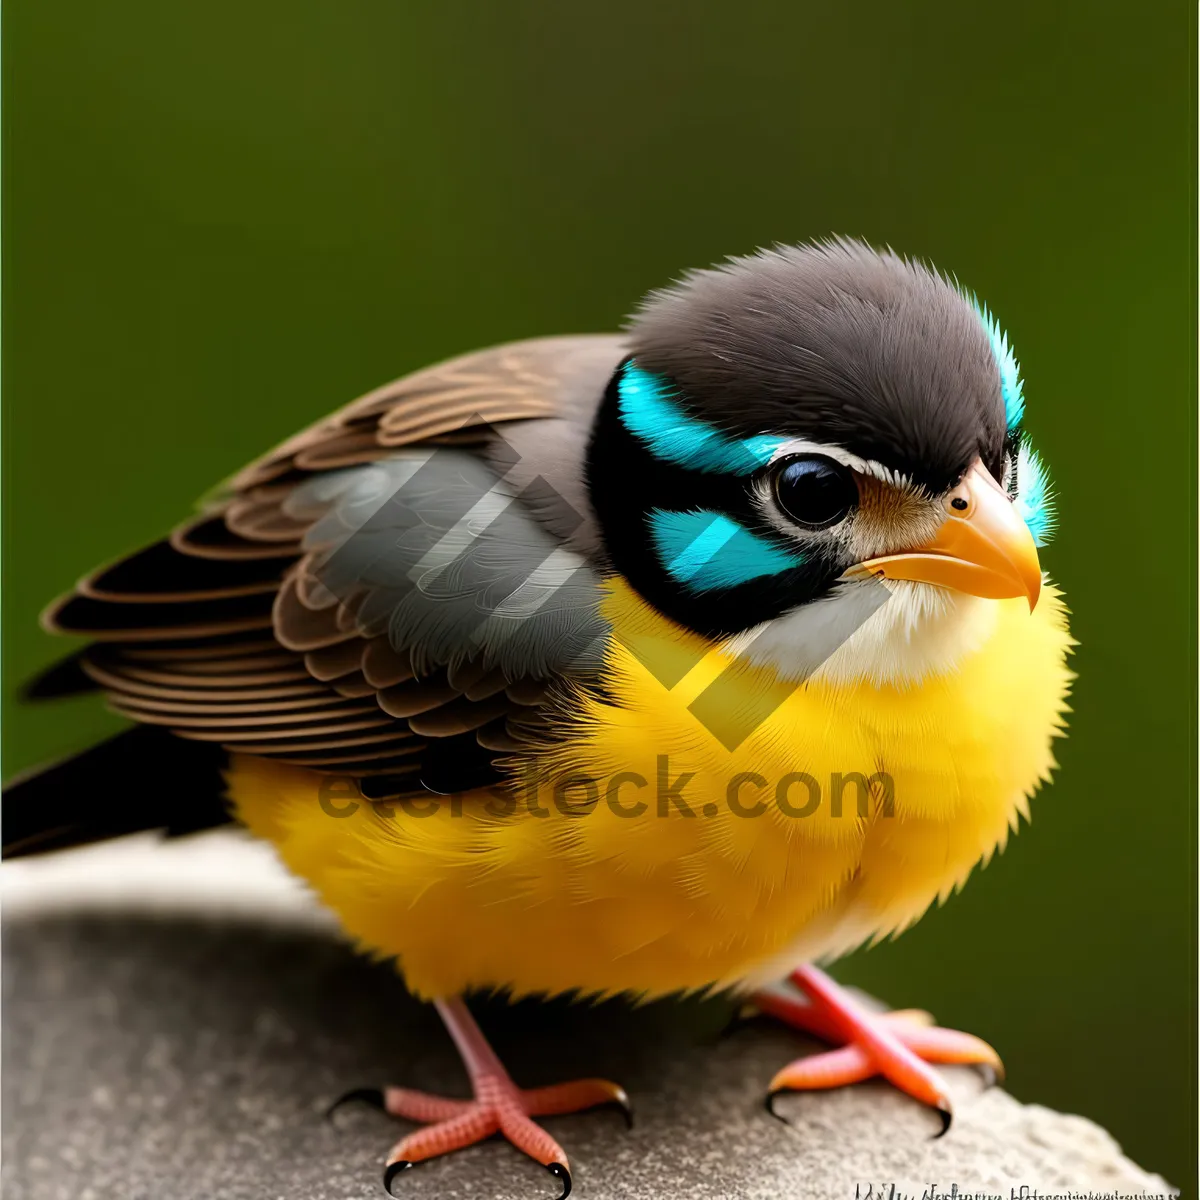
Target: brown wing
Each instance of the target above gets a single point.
(214, 634)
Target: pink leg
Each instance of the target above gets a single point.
(499, 1106)
(897, 1045)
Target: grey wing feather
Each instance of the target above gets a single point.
(449, 558)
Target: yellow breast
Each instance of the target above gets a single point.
(717, 831)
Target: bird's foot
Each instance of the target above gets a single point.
(499, 1106)
(896, 1045)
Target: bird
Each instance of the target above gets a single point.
(684, 659)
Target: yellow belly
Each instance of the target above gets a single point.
(580, 889)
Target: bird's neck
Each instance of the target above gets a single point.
(893, 633)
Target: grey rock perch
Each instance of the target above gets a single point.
(178, 1016)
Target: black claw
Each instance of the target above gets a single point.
(391, 1171)
(624, 1108)
(769, 1105)
(559, 1171)
(947, 1117)
(368, 1095)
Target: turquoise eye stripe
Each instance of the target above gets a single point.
(648, 412)
(707, 551)
(1006, 360)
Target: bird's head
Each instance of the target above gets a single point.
(821, 445)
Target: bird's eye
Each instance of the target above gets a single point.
(815, 492)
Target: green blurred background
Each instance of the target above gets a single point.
(224, 219)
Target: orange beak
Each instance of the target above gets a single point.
(983, 548)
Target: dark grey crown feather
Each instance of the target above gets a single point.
(835, 341)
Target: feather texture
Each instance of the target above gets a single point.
(263, 625)
(639, 855)
(451, 565)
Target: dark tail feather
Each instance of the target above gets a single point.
(144, 778)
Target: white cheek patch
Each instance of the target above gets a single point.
(800, 642)
(883, 632)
